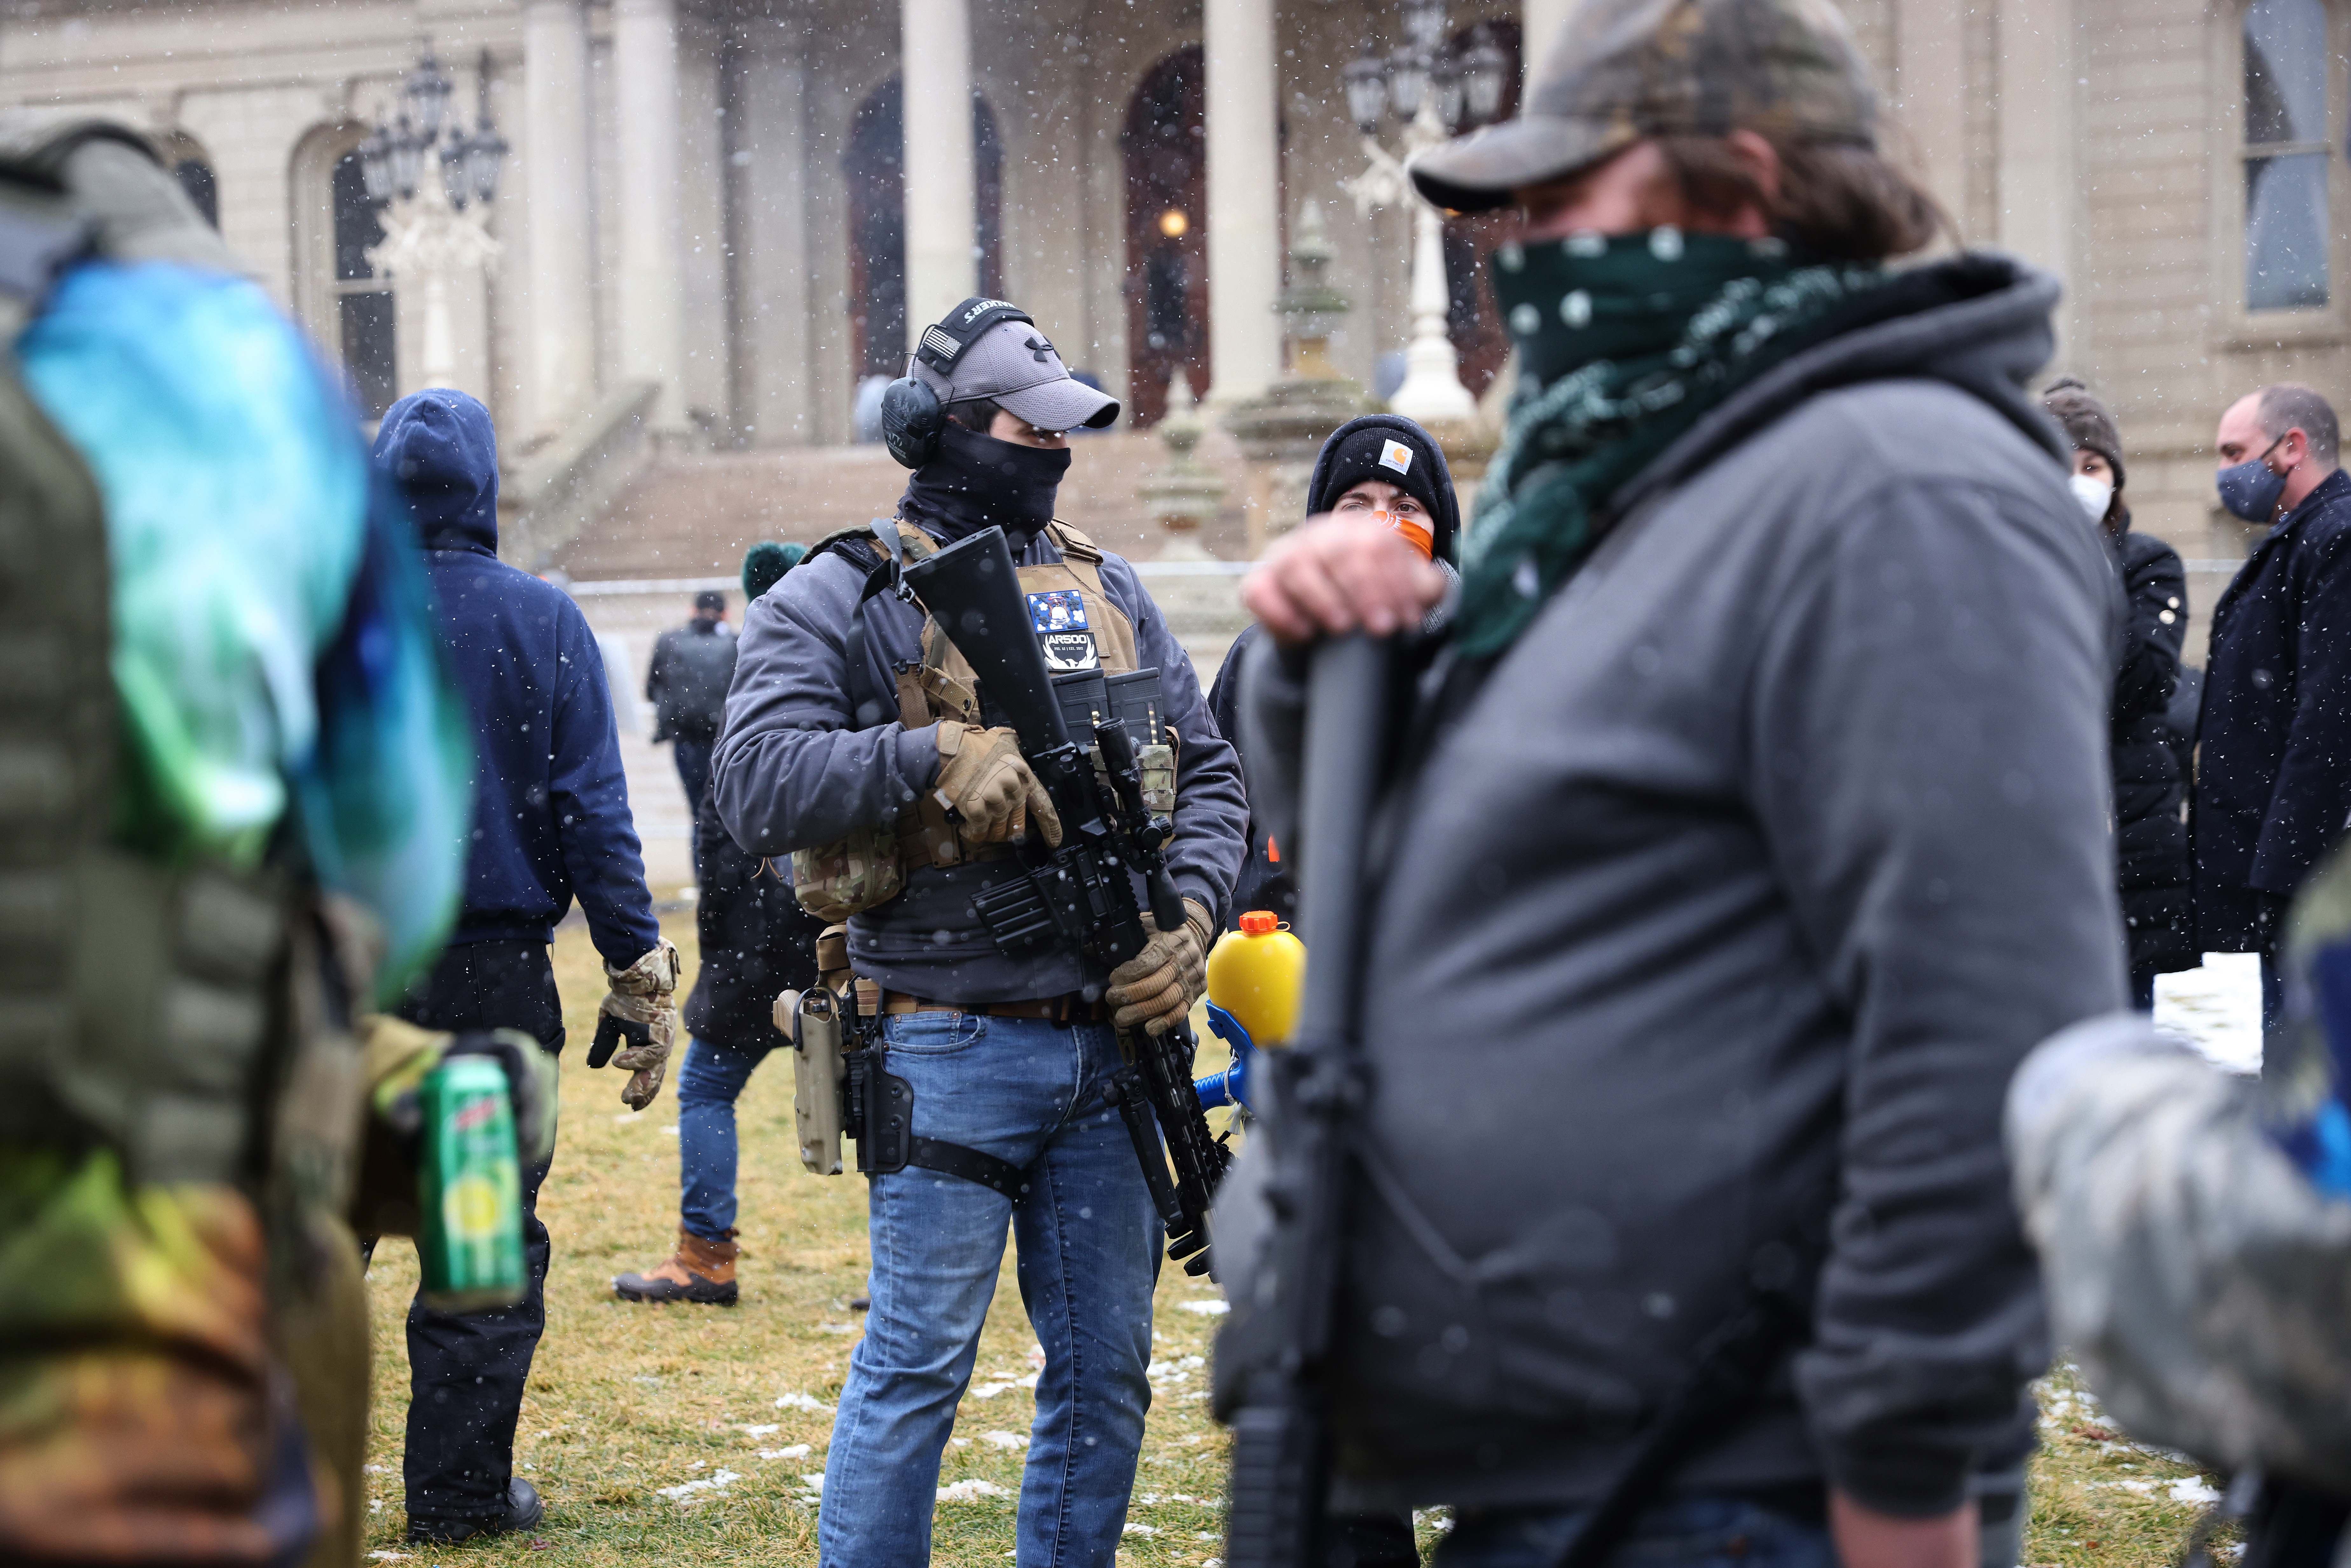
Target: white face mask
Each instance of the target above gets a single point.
(2096, 496)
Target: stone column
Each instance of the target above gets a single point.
(942, 191)
(644, 73)
(555, 194)
(2039, 201)
(1244, 199)
(1930, 88)
(1541, 23)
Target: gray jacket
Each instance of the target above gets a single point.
(793, 770)
(1721, 912)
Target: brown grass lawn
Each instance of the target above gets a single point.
(629, 1403)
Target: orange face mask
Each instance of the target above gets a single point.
(1417, 537)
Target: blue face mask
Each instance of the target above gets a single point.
(2252, 489)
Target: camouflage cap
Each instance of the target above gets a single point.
(1625, 70)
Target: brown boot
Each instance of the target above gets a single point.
(701, 1272)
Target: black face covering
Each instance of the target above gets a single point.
(977, 482)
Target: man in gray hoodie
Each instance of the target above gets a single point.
(1757, 829)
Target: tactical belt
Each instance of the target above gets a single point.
(1063, 1010)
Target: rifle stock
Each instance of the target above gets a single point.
(1272, 1352)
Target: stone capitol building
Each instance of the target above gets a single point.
(717, 218)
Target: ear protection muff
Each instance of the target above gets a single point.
(912, 421)
(912, 418)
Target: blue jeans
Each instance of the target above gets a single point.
(693, 759)
(707, 1087)
(1028, 1091)
(1700, 1532)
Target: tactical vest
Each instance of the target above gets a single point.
(1079, 626)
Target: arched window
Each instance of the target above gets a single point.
(363, 302)
(2289, 154)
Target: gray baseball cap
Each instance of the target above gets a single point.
(1624, 70)
(1014, 364)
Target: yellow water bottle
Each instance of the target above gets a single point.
(1254, 978)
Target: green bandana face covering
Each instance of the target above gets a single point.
(1625, 342)
(1624, 298)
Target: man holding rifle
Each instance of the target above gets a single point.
(1757, 830)
(859, 735)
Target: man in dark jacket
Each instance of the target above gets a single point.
(1757, 830)
(2274, 775)
(757, 944)
(686, 684)
(551, 823)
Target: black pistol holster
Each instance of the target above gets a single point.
(879, 1112)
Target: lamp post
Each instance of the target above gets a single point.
(1436, 91)
(424, 169)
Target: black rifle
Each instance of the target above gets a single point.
(1082, 893)
(1272, 1350)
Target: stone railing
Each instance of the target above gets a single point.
(560, 488)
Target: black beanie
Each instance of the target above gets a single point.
(2086, 420)
(1364, 449)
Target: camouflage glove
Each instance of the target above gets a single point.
(643, 994)
(1157, 987)
(985, 785)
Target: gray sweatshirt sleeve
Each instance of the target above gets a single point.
(1926, 731)
(1211, 808)
(790, 772)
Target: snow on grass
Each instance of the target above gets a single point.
(1215, 1309)
(685, 1489)
(971, 1490)
(797, 1401)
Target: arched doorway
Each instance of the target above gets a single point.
(1478, 335)
(875, 164)
(1166, 147)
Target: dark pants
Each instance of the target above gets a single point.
(466, 1371)
(693, 758)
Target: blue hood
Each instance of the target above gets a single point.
(438, 450)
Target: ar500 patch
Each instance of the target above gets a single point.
(1058, 617)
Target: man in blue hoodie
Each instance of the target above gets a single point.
(551, 823)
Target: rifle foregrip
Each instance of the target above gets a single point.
(1166, 904)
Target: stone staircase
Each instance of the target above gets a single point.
(692, 515)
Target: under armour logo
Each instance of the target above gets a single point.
(1039, 348)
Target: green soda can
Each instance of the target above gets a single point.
(470, 1189)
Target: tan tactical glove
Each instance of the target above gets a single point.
(1158, 986)
(643, 994)
(985, 785)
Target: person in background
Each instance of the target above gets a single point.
(551, 823)
(2150, 786)
(693, 665)
(756, 942)
(2273, 769)
(1380, 465)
